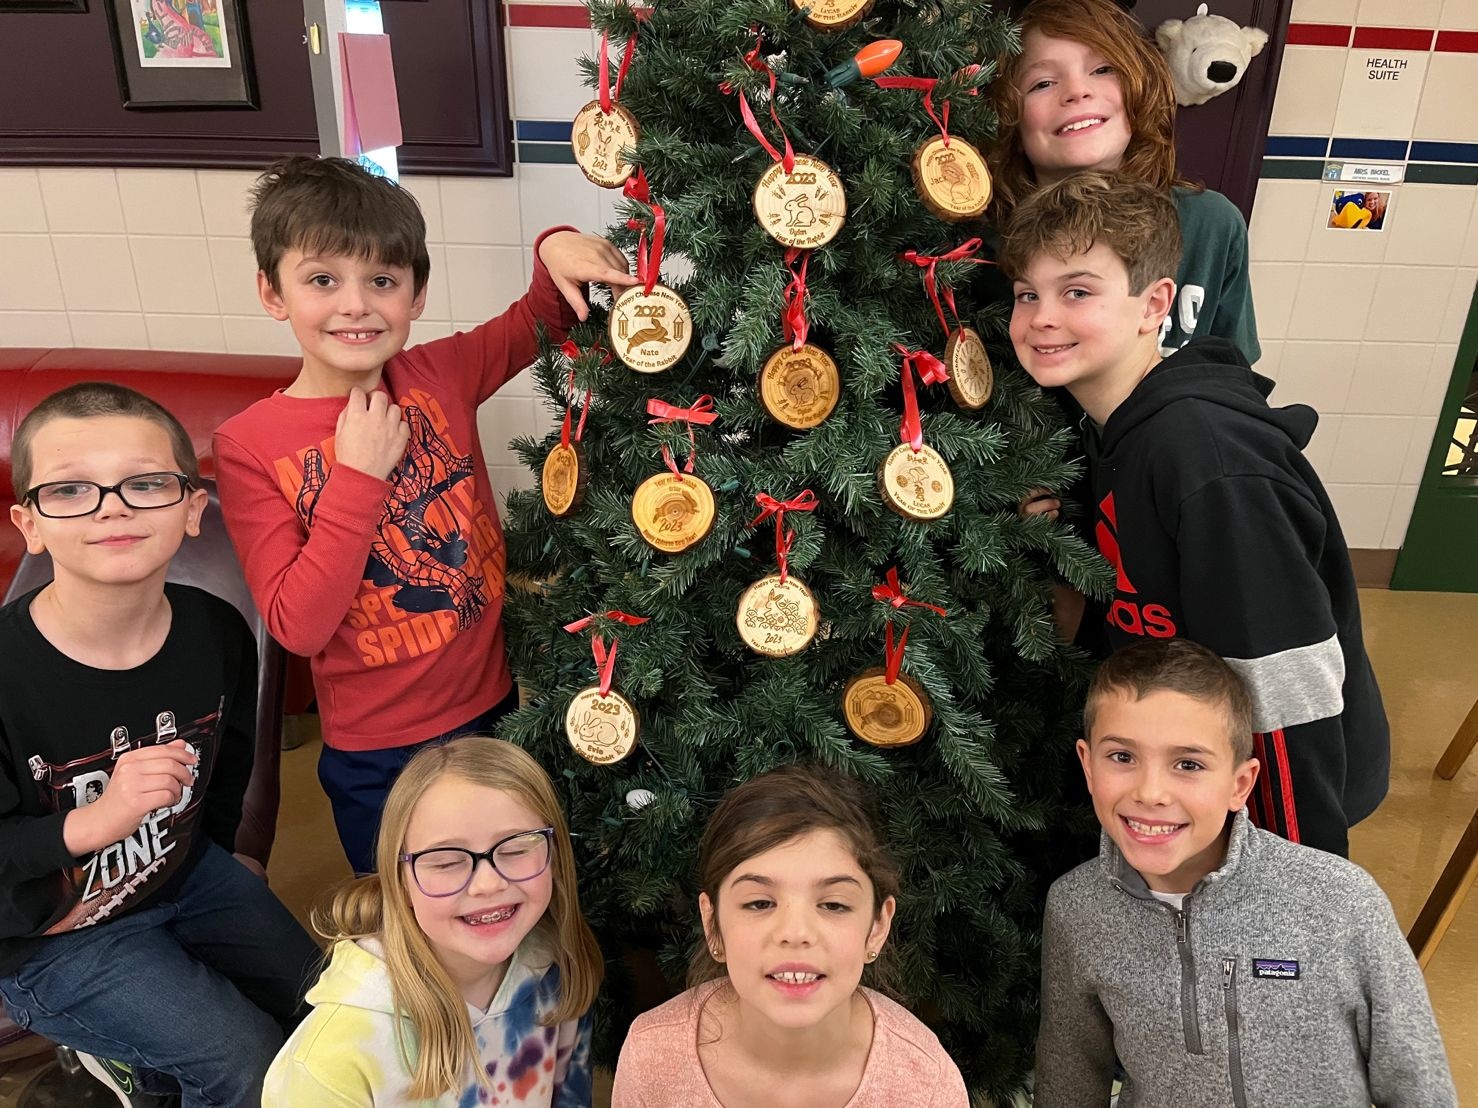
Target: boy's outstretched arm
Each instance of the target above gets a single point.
(1407, 1064)
(575, 260)
(1075, 1043)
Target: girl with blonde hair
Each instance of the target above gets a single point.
(1089, 91)
(462, 972)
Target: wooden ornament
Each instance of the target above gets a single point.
(883, 714)
(800, 388)
(650, 331)
(673, 514)
(602, 729)
(952, 180)
(598, 138)
(971, 378)
(832, 15)
(804, 208)
(778, 618)
(564, 477)
(916, 484)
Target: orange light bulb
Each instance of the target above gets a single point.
(877, 56)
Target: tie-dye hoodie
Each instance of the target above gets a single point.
(345, 1052)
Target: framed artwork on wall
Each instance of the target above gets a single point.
(182, 53)
(42, 6)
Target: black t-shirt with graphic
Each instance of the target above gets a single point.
(62, 727)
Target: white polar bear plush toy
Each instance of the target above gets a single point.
(1208, 54)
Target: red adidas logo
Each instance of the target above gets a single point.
(1152, 620)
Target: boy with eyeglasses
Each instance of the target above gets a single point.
(128, 931)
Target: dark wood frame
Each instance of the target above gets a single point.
(160, 89)
(52, 6)
(480, 144)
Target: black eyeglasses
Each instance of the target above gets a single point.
(447, 870)
(142, 491)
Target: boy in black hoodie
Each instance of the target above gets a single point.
(1219, 529)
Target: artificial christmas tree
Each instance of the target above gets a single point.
(743, 534)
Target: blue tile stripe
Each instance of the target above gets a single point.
(543, 130)
(1465, 153)
(1296, 146)
(1385, 150)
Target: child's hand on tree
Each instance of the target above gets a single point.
(143, 781)
(575, 260)
(370, 436)
(1039, 502)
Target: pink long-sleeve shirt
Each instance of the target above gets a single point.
(660, 1068)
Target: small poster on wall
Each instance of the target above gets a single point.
(1358, 211)
(182, 53)
(180, 33)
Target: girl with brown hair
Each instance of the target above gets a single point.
(798, 896)
(462, 971)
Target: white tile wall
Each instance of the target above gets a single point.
(118, 330)
(1363, 511)
(1460, 15)
(81, 200)
(1324, 11)
(546, 74)
(1451, 79)
(35, 329)
(1308, 90)
(21, 206)
(97, 272)
(1431, 225)
(29, 280)
(1399, 13)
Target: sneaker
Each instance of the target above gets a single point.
(117, 1076)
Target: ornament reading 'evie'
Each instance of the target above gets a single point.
(601, 724)
(881, 705)
(603, 128)
(799, 199)
(650, 325)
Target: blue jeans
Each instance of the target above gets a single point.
(358, 781)
(202, 987)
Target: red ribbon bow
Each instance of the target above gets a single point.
(755, 62)
(892, 593)
(926, 85)
(609, 96)
(663, 412)
(793, 322)
(605, 663)
(929, 263)
(648, 268)
(804, 501)
(931, 370)
(571, 351)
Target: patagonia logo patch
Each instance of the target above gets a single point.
(1279, 968)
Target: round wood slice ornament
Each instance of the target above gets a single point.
(800, 388)
(563, 479)
(602, 729)
(804, 208)
(952, 180)
(832, 15)
(650, 331)
(598, 137)
(778, 618)
(916, 484)
(971, 378)
(672, 514)
(883, 714)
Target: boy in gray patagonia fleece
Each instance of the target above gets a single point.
(1221, 964)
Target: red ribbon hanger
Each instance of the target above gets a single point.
(804, 501)
(892, 593)
(571, 351)
(648, 267)
(609, 96)
(663, 412)
(929, 263)
(931, 370)
(605, 662)
(793, 322)
(926, 85)
(756, 63)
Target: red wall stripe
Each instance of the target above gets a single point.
(547, 15)
(1457, 42)
(1393, 38)
(1318, 34)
